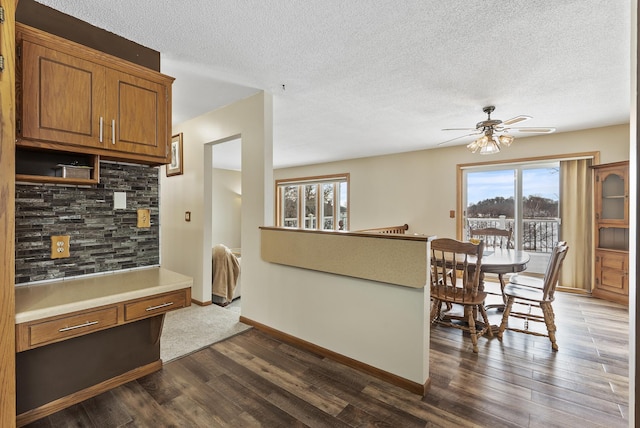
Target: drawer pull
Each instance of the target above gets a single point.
(87, 324)
(153, 308)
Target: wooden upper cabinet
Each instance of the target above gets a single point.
(137, 114)
(612, 194)
(62, 97)
(73, 98)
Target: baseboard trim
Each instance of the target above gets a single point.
(403, 383)
(573, 290)
(84, 394)
(199, 303)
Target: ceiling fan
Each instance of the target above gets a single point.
(488, 143)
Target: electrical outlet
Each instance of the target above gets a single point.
(144, 218)
(60, 247)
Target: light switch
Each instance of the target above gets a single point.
(60, 247)
(144, 218)
(119, 200)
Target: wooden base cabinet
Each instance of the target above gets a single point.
(73, 98)
(611, 204)
(68, 358)
(612, 276)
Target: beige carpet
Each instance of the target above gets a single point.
(191, 329)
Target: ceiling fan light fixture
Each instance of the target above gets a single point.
(505, 140)
(495, 133)
(490, 148)
(479, 144)
(474, 146)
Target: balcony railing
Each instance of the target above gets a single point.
(538, 235)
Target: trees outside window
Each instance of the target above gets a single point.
(313, 202)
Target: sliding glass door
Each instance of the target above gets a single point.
(523, 197)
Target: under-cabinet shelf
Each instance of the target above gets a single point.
(44, 166)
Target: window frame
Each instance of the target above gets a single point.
(320, 181)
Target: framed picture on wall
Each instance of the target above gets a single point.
(176, 164)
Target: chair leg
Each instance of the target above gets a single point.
(485, 318)
(436, 308)
(505, 317)
(502, 284)
(472, 331)
(549, 320)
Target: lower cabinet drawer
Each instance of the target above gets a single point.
(157, 304)
(40, 333)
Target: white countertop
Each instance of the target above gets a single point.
(60, 297)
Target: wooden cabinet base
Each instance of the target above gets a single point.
(53, 377)
(609, 296)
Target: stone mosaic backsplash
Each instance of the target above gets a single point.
(101, 239)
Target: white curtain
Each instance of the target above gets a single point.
(576, 208)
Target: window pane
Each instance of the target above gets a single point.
(327, 206)
(343, 212)
(290, 206)
(310, 205)
(490, 199)
(540, 197)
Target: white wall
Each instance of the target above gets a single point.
(419, 188)
(226, 193)
(356, 318)
(186, 246)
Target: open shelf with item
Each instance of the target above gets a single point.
(54, 167)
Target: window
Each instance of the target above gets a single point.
(313, 202)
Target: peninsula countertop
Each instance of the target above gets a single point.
(37, 301)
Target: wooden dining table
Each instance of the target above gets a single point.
(502, 261)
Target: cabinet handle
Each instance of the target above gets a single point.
(101, 127)
(87, 324)
(113, 131)
(153, 308)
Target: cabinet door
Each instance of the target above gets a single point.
(62, 97)
(137, 111)
(612, 194)
(611, 272)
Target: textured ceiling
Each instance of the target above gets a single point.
(370, 77)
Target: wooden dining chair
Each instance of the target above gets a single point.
(494, 237)
(454, 281)
(534, 281)
(534, 304)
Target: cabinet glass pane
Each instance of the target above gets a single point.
(614, 238)
(613, 198)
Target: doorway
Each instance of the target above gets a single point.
(223, 214)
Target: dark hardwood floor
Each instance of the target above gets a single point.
(254, 380)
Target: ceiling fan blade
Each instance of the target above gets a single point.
(457, 138)
(532, 130)
(459, 129)
(516, 119)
